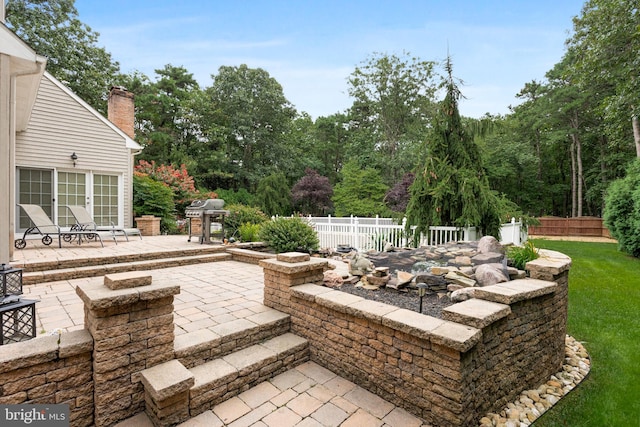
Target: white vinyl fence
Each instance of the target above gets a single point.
(366, 234)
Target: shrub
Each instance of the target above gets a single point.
(521, 255)
(240, 197)
(241, 214)
(622, 210)
(274, 195)
(311, 195)
(249, 232)
(151, 197)
(289, 235)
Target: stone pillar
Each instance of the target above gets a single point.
(149, 225)
(287, 270)
(131, 321)
(196, 227)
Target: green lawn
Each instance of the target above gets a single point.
(604, 314)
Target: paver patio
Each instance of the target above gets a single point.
(217, 295)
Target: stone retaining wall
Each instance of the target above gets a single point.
(54, 369)
(96, 371)
(448, 371)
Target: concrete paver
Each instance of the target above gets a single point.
(222, 297)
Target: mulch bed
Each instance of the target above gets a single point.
(432, 305)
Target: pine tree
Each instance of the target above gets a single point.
(451, 186)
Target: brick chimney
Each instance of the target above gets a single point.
(121, 110)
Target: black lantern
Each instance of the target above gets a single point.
(74, 158)
(11, 279)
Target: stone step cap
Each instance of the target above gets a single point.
(166, 380)
(130, 279)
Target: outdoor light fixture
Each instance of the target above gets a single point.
(74, 157)
(422, 291)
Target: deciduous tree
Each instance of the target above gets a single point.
(53, 29)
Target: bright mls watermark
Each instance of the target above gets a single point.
(34, 415)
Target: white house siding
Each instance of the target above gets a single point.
(62, 124)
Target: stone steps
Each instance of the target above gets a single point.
(174, 393)
(67, 271)
(141, 255)
(199, 347)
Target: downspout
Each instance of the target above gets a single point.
(39, 69)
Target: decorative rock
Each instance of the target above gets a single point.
(553, 390)
(377, 281)
(490, 274)
(462, 294)
(489, 244)
(404, 278)
(381, 271)
(360, 265)
(441, 271)
(488, 258)
(332, 279)
(462, 260)
(452, 287)
(434, 281)
(458, 279)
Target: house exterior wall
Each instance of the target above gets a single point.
(62, 124)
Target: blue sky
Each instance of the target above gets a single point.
(312, 46)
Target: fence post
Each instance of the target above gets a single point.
(356, 232)
(405, 241)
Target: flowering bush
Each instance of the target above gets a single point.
(177, 179)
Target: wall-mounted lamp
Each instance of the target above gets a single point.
(74, 157)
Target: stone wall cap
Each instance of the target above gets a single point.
(456, 336)
(291, 268)
(337, 300)
(411, 322)
(75, 342)
(96, 296)
(550, 261)
(515, 290)
(369, 309)
(28, 353)
(128, 279)
(166, 379)
(476, 312)
(293, 257)
(308, 291)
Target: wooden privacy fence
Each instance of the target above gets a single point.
(373, 233)
(587, 226)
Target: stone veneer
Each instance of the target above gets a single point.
(148, 225)
(131, 321)
(53, 369)
(448, 371)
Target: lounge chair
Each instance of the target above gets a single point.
(85, 222)
(43, 226)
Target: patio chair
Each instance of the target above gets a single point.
(85, 222)
(43, 226)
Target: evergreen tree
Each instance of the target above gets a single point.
(451, 187)
(273, 195)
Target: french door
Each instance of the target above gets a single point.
(100, 194)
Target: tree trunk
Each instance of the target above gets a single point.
(636, 134)
(574, 199)
(603, 169)
(579, 177)
(538, 154)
